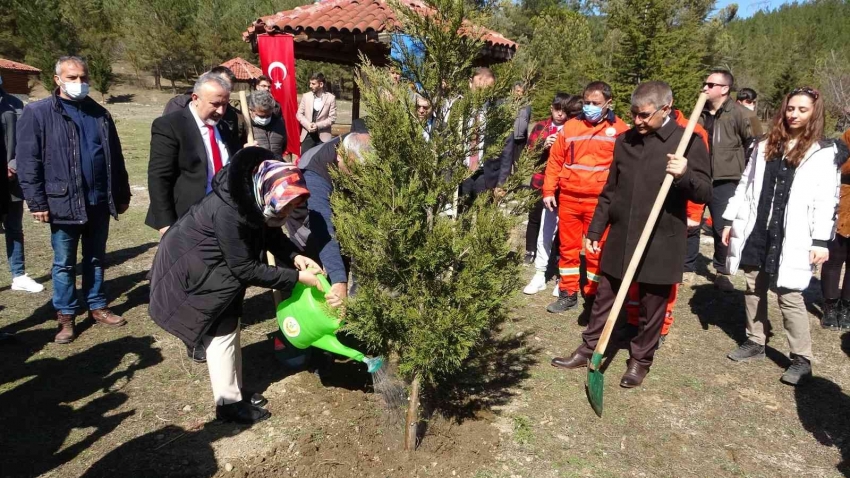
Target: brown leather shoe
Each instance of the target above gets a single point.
(66, 333)
(634, 375)
(107, 317)
(576, 360)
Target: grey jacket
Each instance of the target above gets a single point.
(10, 110)
(271, 136)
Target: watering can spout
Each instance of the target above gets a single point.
(332, 344)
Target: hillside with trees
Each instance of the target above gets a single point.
(567, 43)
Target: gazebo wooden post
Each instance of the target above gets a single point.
(355, 102)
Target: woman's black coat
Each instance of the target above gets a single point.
(211, 255)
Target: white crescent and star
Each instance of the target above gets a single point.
(277, 84)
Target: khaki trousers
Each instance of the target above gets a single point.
(224, 361)
(795, 318)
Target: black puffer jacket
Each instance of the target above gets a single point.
(211, 255)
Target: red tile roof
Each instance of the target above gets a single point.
(350, 16)
(14, 65)
(243, 69)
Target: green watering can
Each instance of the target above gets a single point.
(306, 320)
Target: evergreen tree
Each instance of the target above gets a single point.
(784, 84)
(100, 72)
(429, 285)
(658, 40)
(559, 51)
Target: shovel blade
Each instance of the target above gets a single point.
(595, 383)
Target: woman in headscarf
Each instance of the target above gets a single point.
(211, 255)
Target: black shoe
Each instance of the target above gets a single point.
(844, 315)
(6, 337)
(198, 353)
(529, 257)
(565, 302)
(241, 412)
(831, 310)
(749, 350)
(254, 399)
(800, 370)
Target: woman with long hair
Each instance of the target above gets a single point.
(836, 308)
(778, 225)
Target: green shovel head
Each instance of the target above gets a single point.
(595, 383)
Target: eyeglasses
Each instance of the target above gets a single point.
(712, 85)
(805, 90)
(643, 115)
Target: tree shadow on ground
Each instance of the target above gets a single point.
(821, 406)
(170, 452)
(813, 298)
(114, 99)
(41, 429)
(488, 379)
(112, 259)
(115, 287)
(724, 310)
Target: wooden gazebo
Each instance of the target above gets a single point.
(337, 31)
(245, 71)
(16, 76)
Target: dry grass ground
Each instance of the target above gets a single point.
(127, 402)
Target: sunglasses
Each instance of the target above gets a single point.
(712, 85)
(806, 91)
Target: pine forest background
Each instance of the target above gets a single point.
(567, 43)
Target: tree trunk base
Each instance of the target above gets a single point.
(412, 421)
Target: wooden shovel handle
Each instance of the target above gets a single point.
(249, 127)
(647, 231)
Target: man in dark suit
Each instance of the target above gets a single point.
(643, 156)
(182, 160)
(485, 171)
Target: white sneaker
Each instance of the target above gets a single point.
(538, 283)
(556, 292)
(26, 284)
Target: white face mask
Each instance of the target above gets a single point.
(75, 91)
(750, 107)
(262, 121)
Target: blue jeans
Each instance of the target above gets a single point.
(65, 239)
(14, 226)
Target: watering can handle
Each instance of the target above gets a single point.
(326, 287)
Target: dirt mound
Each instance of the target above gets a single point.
(340, 433)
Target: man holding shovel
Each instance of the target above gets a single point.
(643, 156)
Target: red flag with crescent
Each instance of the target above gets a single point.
(277, 60)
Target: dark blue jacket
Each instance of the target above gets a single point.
(49, 167)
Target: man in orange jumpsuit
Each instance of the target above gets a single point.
(695, 212)
(577, 169)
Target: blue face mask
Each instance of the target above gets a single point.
(592, 113)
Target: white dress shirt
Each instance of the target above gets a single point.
(222, 147)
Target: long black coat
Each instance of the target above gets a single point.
(211, 255)
(177, 169)
(626, 201)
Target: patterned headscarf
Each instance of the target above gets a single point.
(277, 184)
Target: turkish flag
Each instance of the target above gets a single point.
(277, 60)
